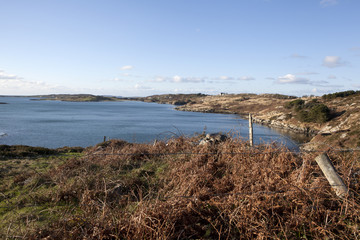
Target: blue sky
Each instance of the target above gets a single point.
(142, 47)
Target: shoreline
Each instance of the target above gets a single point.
(340, 130)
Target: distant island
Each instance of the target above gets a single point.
(76, 98)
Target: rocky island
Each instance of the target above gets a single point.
(76, 98)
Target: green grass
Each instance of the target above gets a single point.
(27, 191)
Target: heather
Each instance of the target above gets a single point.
(178, 190)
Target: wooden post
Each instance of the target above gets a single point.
(331, 175)
(250, 131)
(104, 138)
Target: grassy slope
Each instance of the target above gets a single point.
(149, 191)
(26, 190)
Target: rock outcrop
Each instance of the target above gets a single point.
(213, 138)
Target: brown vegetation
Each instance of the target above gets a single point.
(181, 190)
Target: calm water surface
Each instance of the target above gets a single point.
(56, 124)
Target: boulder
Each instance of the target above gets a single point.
(213, 138)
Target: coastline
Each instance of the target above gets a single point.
(340, 130)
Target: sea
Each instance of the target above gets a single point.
(54, 124)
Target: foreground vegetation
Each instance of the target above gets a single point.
(177, 190)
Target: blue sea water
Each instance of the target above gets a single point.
(56, 124)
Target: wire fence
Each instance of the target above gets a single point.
(247, 152)
(221, 153)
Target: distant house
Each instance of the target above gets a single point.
(223, 94)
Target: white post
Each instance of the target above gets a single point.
(331, 175)
(250, 131)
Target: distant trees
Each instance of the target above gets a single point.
(339, 94)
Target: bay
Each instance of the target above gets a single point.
(56, 124)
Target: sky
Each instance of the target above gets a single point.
(143, 47)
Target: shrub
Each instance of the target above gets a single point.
(311, 103)
(313, 111)
(318, 113)
(296, 104)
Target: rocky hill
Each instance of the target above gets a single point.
(331, 120)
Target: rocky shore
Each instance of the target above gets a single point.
(341, 130)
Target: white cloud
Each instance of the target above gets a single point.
(292, 79)
(159, 79)
(355, 49)
(307, 73)
(177, 79)
(333, 62)
(118, 80)
(246, 78)
(227, 78)
(127, 67)
(13, 86)
(142, 87)
(332, 77)
(6, 76)
(295, 55)
(327, 3)
(224, 78)
(314, 90)
(180, 79)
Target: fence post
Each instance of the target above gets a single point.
(331, 175)
(251, 131)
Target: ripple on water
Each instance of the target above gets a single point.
(2, 134)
